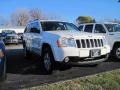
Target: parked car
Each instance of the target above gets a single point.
(110, 30)
(59, 41)
(2, 61)
(11, 37)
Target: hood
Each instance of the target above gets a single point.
(74, 34)
(115, 35)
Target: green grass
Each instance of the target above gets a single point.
(104, 81)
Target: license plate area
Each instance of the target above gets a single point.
(95, 53)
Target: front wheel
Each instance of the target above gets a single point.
(48, 60)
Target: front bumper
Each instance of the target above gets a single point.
(82, 56)
(11, 41)
(85, 61)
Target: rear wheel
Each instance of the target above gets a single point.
(48, 60)
(116, 52)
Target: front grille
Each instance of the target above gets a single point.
(10, 37)
(89, 43)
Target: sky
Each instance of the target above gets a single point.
(67, 9)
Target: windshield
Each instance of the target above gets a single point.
(8, 31)
(55, 26)
(113, 27)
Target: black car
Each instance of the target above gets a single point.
(2, 61)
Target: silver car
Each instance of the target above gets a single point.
(11, 37)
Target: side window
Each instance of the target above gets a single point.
(88, 28)
(99, 28)
(27, 29)
(34, 27)
(80, 28)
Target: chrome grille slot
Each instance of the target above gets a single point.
(83, 43)
(87, 43)
(78, 44)
(95, 41)
(99, 43)
(92, 42)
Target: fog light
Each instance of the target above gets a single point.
(66, 59)
(1, 53)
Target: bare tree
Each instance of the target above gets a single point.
(37, 14)
(20, 17)
(8, 23)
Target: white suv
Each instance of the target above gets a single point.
(110, 30)
(58, 41)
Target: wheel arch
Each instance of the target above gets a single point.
(47, 45)
(116, 44)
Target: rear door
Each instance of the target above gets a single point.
(88, 28)
(100, 29)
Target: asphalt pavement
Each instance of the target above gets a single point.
(23, 73)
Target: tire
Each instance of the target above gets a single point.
(3, 77)
(116, 52)
(48, 60)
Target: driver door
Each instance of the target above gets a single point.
(36, 38)
(101, 30)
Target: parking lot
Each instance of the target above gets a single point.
(23, 73)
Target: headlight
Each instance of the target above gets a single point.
(66, 42)
(1, 53)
